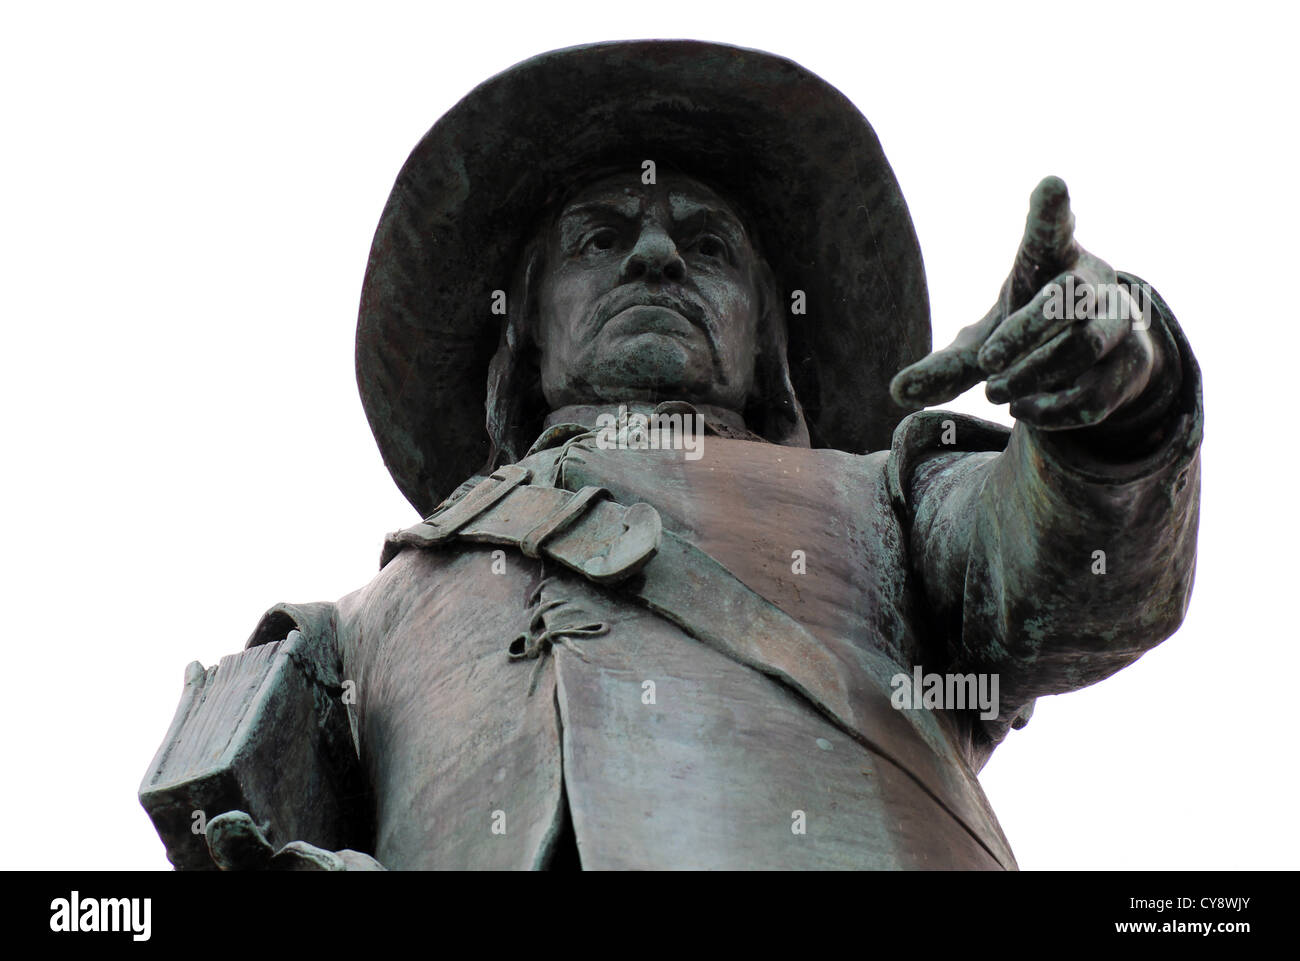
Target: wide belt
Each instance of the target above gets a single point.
(628, 548)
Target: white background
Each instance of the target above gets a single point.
(187, 201)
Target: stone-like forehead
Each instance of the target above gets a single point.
(626, 193)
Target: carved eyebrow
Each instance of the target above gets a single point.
(577, 217)
(699, 215)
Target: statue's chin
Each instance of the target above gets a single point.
(651, 366)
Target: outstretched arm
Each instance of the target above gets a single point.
(1069, 554)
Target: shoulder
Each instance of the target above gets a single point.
(315, 620)
(931, 442)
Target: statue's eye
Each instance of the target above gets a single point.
(711, 246)
(606, 238)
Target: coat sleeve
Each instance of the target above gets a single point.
(1047, 560)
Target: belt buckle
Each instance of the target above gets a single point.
(631, 550)
(616, 546)
(590, 550)
(607, 544)
(559, 519)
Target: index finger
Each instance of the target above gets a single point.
(1048, 245)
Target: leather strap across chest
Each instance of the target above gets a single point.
(627, 549)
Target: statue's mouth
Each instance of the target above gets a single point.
(653, 312)
(651, 319)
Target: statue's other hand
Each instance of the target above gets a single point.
(1060, 367)
(236, 843)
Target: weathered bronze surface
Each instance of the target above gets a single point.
(617, 641)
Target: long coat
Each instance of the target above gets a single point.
(964, 548)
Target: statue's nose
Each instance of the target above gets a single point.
(654, 259)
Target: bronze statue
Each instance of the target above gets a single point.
(641, 330)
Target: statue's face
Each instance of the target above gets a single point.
(649, 294)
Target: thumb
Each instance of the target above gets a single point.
(301, 856)
(236, 843)
(946, 373)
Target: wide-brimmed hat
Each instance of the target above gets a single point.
(788, 149)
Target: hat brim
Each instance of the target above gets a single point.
(798, 158)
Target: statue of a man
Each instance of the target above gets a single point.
(698, 592)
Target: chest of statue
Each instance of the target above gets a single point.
(626, 727)
(812, 531)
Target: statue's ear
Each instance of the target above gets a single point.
(513, 376)
(528, 300)
(522, 326)
(778, 415)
